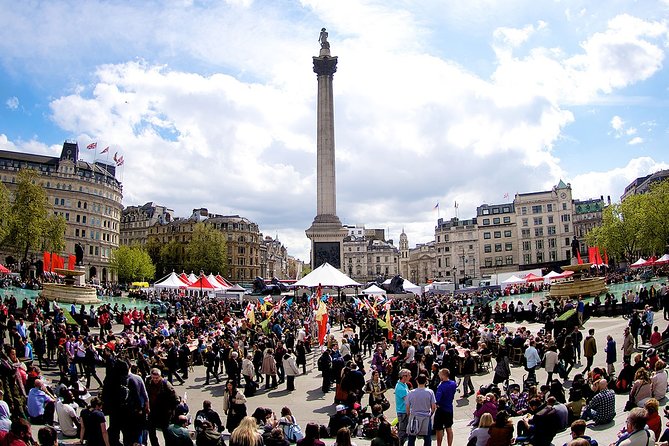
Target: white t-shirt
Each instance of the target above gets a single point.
(66, 417)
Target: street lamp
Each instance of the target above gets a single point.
(455, 279)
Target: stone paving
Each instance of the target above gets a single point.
(308, 403)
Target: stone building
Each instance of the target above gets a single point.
(273, 259)
(587, 215)
(642, 184)
(456, 243)
(242, 237)
(497, 233)
(136, 220)
(422, 262)
(544, 227)
(369, 256)
(87, 195)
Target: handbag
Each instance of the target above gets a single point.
(385, 404)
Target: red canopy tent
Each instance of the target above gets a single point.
(220, 279)
(202, 284)
(184, 278)
(639, 263)
(4, 270)
(662, 260)
(531, 277)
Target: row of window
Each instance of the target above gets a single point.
(539, 209)
(499, 261)
(496, 220)
(540, 258)
(505, 210)
(498, 247)
(496, 234)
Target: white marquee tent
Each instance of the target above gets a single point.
(408, 287)
(171, 282)
(327, 276)
(374, 291)
(513, 280)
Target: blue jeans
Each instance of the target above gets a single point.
(403, 422)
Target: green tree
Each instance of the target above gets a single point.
(656, 209)
(5, 213)
(171, 257)
(622, 229)
(30, 227)
(53, 237)
(206, 251)
(132, 263)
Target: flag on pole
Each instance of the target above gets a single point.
(119, 161)
(456, 205)
(249, 313)
(436, 206)
(92, 146)
(578, 257)
(506, 195)
(115, 158)
(322, 319)
(106, 149)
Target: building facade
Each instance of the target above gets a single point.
(641, 185)
(243, 240)
(422, 262)
(368, 256)
(544, 227)
(136, 220)
(587, 215)
(497, 233)
(456, 245)
(87, 195)
(273, 259)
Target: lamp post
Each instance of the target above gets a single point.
(455, 279)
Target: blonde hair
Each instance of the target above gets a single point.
(486, 420)
(652, 405)
(246, 433)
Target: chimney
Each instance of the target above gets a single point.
(608, 199)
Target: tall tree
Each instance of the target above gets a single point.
(30, 225)
(171, 257)
(132, 263)
(206, 251)
(656, 210)
(5, 213)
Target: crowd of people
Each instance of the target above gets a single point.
(428, 354)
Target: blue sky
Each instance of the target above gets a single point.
(212, 103)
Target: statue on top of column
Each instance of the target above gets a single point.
(323, 39)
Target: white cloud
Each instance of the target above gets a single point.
(594, 184)
(12, 103)
(634, 141)
(219, 111)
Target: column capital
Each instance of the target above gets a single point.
(325, 66)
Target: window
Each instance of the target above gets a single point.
(509, 260)
(566, 227)
(62, 202)
(485, 212)
(507, 233)
(495, 210)
(567, 242)
(525, 222)
(552, 243)
(565, 217)
(83, 233)
(76, 232)
(540, 257)
(526, 245)
(538, 221)
(83, 219)
(552, 256)
(486, 235)
(525, 233)
(539, 244)
(486, 221)
(567, 254)
(498, 234)
(523, 210)
(498, 261)
(506, 209)
(488, 262)
(67, 216)
(550, 230)
(97, 251)
(550, 219)
(507, 220)
(538, 232)
(498, 247)
(90, 250)
(549, 207)
(495, 221)
(564, 206)
(78, 218)
(536, 209)
(527, 259)
(508, 247)
(487, 248)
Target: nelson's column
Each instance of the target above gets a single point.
(326, 232)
